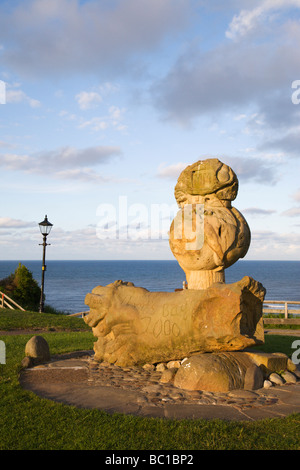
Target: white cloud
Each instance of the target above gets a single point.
(66, 162)
(73, 36)
(19, 96)
(293, 212)
(257, 211)
(247, 20)
(246, 168)
(171, 171)
(296, 196)
(8, 222)
(272, 245)
(95, 124)
(82, 174)
(113, 119)
(249, 81)
(88, 99)
(232, 76)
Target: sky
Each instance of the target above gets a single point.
(103, 104)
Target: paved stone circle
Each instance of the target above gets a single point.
(145, 395)
(148, 384)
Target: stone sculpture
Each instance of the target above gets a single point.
(135, 326)
(207, 188)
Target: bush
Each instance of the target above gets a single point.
(22, 288)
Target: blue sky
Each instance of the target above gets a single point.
(108, 101)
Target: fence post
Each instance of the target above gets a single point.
(286, 312)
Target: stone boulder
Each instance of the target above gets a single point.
(135, 326)
(219, 372)
(37, 348)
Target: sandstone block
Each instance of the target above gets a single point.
(135, 326)
(254, 378)
(269, 362)
(291, 366)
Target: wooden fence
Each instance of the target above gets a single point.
(79, 314)
(6, 301)
(281, 307)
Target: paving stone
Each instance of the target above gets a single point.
(151, 411)
(81, 382)
(242, 394)
(202, 412)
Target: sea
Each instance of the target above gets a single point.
(68, 282)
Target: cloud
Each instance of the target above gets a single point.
(247, 20)
(19, 96)
(296, 196)
(272, 245)
(91, 99)
(114, 118)
(43, 38)
(253, 169)
(8, 222)
(87, 100)
(247, 169)
(6, 144)
(293, 212)
(236, 77)
(82, 174)
(66, 162)
(289, 143)
(258, 211)
(171, 171)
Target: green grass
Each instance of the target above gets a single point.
(276, 343)
(28, 422)
(16, 319)
(281, 326)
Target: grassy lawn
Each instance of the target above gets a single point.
(14, 320)
(28, 422)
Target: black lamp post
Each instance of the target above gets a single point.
(45, 228)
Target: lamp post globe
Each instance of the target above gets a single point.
(45, 228)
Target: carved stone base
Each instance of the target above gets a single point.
(135, 326)
(203, 279)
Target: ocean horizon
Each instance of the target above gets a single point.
(68, 281)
